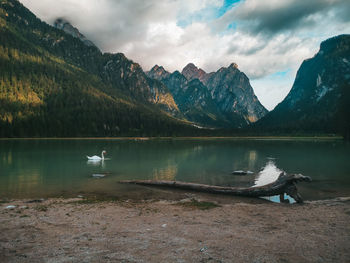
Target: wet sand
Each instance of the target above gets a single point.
(194, 228)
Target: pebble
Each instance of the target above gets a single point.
(203, 249)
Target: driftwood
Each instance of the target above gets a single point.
(286, 183)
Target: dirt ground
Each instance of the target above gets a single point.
(199, 228)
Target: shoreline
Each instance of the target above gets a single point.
(272, 138)
(197, 228)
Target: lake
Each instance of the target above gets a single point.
(59, 167)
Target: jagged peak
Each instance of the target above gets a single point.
(157, 68)
(191, 71)
(60, 21)
(157, 72)
(233, 65)
(191, 65)
(66, 26)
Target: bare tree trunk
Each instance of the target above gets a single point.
(286, 183)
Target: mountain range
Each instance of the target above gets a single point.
(221, 99)
(56, 82)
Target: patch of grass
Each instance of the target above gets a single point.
(201, 205)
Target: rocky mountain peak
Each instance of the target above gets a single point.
(218, 99)
(67, 27)
(190, 66)
(337, 43)
(233, 65)
(231, 90)
(191, 71)
(157, 72)
(155, 67)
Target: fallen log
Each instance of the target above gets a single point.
(286, 183)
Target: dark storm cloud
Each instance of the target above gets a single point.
(273, 16)
(343, 12)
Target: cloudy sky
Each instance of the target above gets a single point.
(268, 39)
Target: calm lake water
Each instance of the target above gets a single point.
(49, 168)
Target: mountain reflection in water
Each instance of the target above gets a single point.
(268, 174)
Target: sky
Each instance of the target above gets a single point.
(268, 39)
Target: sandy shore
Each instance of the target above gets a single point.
(199, 228)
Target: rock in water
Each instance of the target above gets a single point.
(98, 175)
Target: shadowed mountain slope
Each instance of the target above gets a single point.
(319, 99)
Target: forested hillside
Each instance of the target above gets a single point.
(52, 84)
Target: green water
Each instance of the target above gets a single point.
(49, 168)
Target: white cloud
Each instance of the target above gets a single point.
(267, 36)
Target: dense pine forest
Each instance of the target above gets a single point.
(51, 85)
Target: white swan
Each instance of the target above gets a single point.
(97, 158)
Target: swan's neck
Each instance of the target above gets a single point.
(102, 155)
